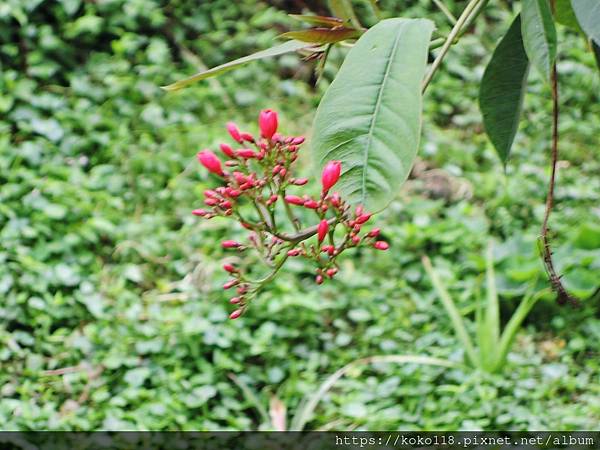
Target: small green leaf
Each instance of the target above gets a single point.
(370, 117)
(344, 10)
(502, 89)
(539, 35)
(281, 49)
(563, 14)
(319, 20)
(588, 16)
(322, 35)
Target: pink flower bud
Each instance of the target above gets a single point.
(359, 210)
(246, 153)
(282, 172)
(234, 132)
(293, 252)
(374, 232)
(200, 212)
(331, 174)
(311, 204)
(235, 300)
(231, 163)
(230, 284)
(294, 200)
(237, 313)
(298, 140)
(211, 201)
(381, 245)
(300, 181)
(335, 199)
(319, 279)
(247, 137)
(363, 218)
(230, 244)
(227, 150)
(331, 272)
(267, 122)
(355, 240)
(292, 148)
(229, 268)
(210, 194)
(277, 137)
(322, 230)
(229, 192)
(209, 160)
(225, 204)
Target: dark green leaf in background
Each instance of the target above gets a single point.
(539, 35)
(370, 117)
(596, 49)
(588, 16)
(502, 89)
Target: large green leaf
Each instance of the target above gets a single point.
(370, 117)
(588, 16)
(539, 35)
(286, 47)
(502, 88)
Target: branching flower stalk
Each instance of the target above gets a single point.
(257, 191)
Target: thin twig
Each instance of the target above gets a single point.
(463, 21)
(446, 11)
(555, 280)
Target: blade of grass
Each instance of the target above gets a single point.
(452, 310)
(488, 347)
(304, 414)
(251, 397)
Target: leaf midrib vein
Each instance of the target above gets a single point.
(376, 112)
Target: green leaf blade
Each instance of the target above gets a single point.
(370, 117)
(539, 35)
(588, 16)
(322, 35)
(286, 47)
(502, 90)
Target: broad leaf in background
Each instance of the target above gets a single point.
(286, 47)
(502, 89)
(563, 13)
(344, 10)
(322, 35)
(588, 16)
(370, 117)
(539, 35)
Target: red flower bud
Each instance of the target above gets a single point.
(209, 160)
(229, 268)
(230, 244)
(355, 240)
(293, 252)
(311, 204)
(211, 201)
(277, 137)
(381, 245)
(359, 210)
(331, 174)
(200, 212)
(298, 140)
(230, 284)
(300, 181)
(374, 232)
(319, 279)
(227, 150)
(294, 200)
(237, 313)
(331, 272)
(234, 132)
(322, 230)
(210, 194)
(235, 300)
(225, 204)
(363, 218)
(246, 153)
(282, 172)
(267, 122)
(247, 137)
(229, 192)
(335, 199)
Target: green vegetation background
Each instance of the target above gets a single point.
(111, 316)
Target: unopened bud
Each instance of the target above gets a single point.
(294, 200)
(234, 132)
(381, 245)
(300, 181)
(319, 279)
(200, 212)
(237, 313)
(230, 244)
(293, 252)
(311, 204)
(230, 284)
(229, 268)
(227, 150)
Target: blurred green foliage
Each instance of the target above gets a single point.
(111, 316)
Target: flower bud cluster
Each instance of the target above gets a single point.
(260, 191)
